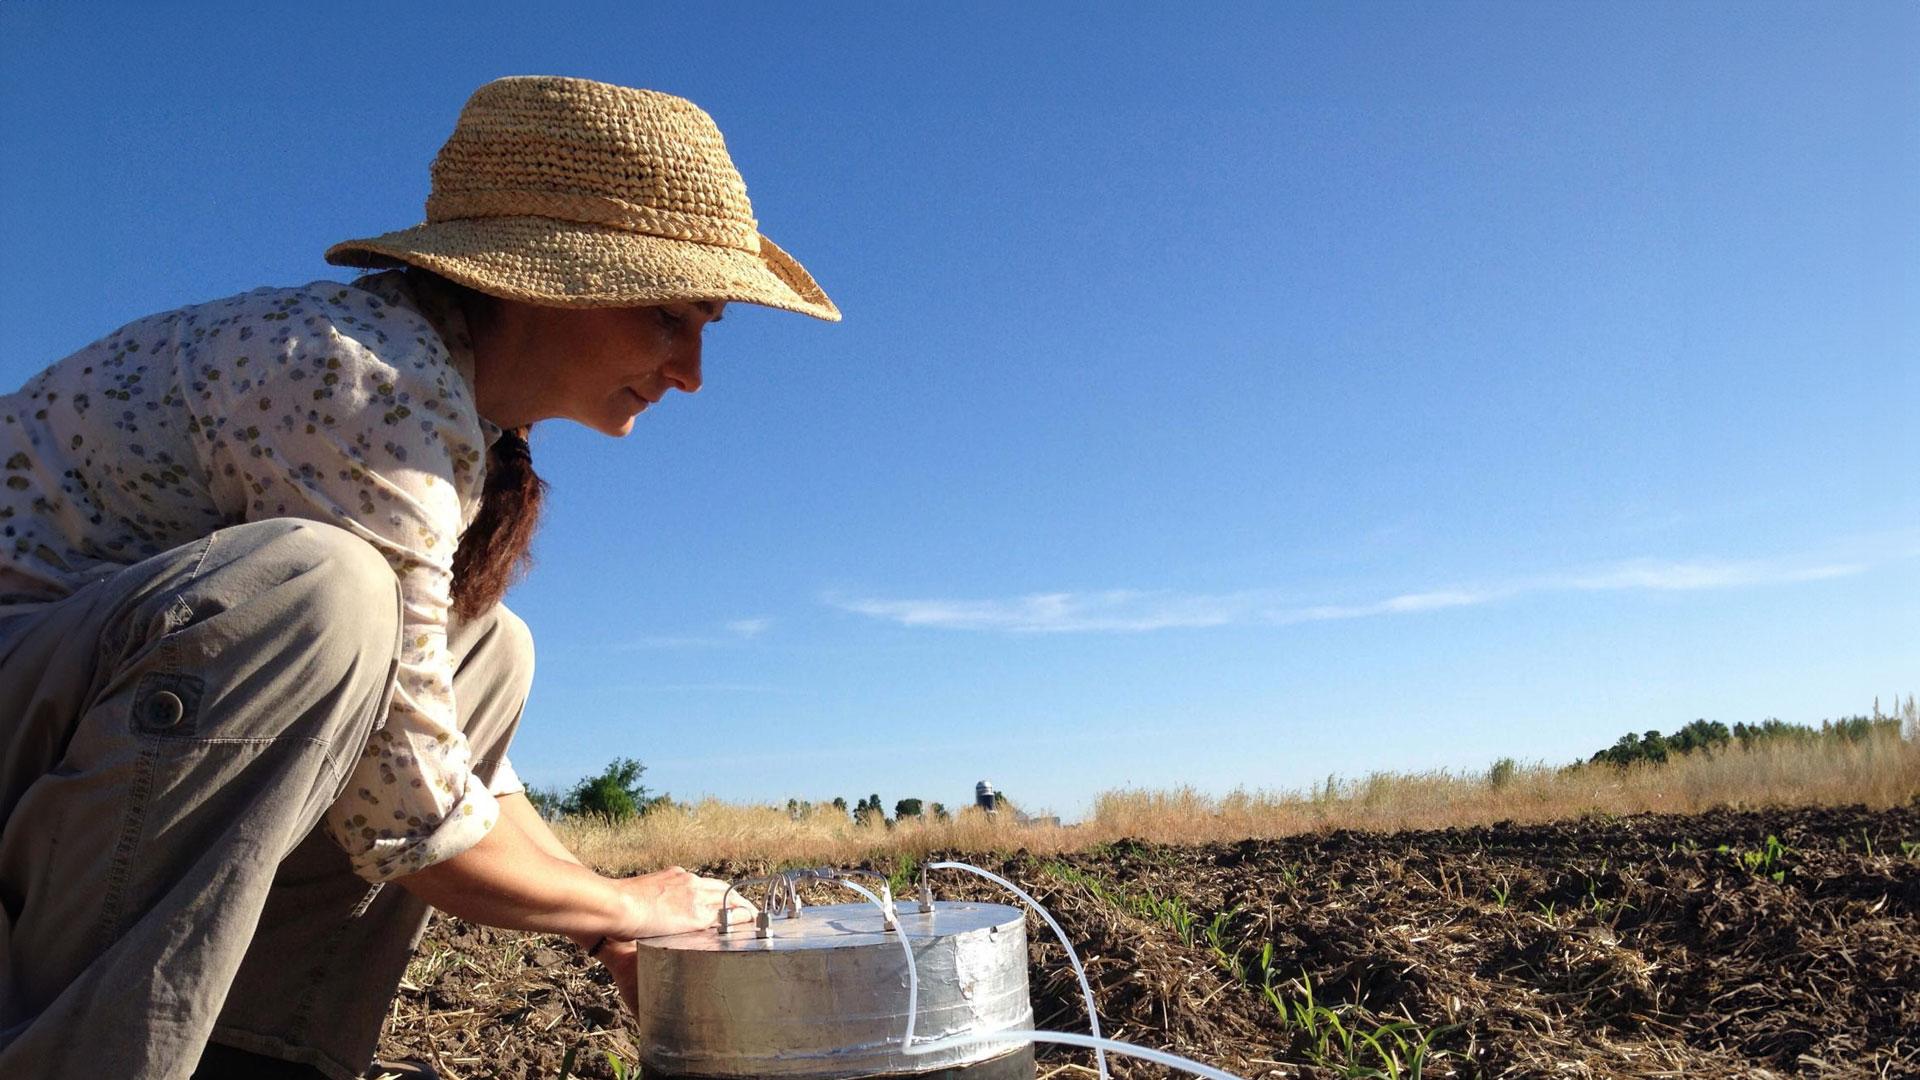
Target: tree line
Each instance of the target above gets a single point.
(1655, 747)
(871, 811)
(618, 795)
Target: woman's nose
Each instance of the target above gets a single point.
(683, 371)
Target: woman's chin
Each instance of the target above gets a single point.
(622, 411)
(616, 424)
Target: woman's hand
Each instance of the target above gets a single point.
(670, 901)
(674, 901)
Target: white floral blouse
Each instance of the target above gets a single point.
(348, 404)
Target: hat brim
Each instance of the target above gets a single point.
(566, 264)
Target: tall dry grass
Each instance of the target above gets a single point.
(1882, 770)
(711, 831)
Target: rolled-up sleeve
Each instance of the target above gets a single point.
(361, 422)
(504, 780)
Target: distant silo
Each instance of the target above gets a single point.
(985, 797)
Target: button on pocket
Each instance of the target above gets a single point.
(165, 710)
(168, 703)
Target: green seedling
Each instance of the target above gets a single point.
(1170, 912)
(1216, 931)
(1216, 935)
(1266, 966)
(905, 877)
(1595, 902)
(1338, 1039)
(1341, 1041)
(1769, 861)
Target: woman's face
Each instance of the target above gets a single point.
(597, 366)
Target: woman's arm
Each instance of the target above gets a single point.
(616, 953)
(510, 881)
(516, 809)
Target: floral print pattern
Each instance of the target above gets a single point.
(348, 404)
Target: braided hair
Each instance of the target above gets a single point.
(497, 549)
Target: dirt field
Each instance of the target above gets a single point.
(1653, 945)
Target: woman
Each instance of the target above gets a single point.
(256, 683)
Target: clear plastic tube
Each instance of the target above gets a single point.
(1086, 988)
(1064, 1038)
(1100, 1046)
(913, 974)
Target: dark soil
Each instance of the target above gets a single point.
(1653, 945)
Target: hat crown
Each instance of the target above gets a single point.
(578, 194)
(593, 153)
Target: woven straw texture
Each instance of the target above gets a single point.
(572, 193)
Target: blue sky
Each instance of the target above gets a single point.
(1225, 399)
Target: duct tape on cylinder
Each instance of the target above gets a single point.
(821, 992)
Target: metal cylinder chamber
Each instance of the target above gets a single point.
(824, 995)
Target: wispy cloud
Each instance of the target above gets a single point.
(1120, 609)
(749, 628)
(1138, 611)
(1406, 603)
(1709, 574)
(733, 632)
(709, 688)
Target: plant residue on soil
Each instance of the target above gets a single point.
(1724, 944)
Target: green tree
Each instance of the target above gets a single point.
(1501, 774)
(939, 812)
(1700, 735)
(906, 808)
(616, 794)
(1653, 746)
(1625, 751)
(549, 803)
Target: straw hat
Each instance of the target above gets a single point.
(571, 193)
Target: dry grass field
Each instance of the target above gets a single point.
(1880, 771)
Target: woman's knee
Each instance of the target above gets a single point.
(494, 654)
(352, 571)
(517, 639)
(500, 642)
(334, 585)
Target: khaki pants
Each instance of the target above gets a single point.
(169, 738)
